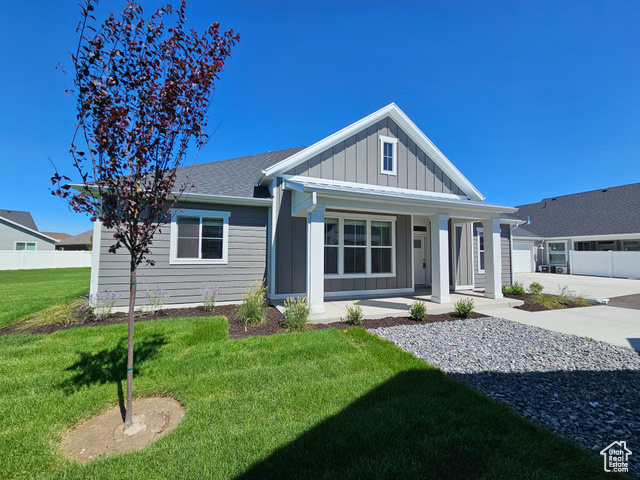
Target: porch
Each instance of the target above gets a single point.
(398, 306)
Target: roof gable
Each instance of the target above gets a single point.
(21, 218)
(405, 125)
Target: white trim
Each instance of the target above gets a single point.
(394, 155)
(173, 243)
(26, 242)
(464, 287)
(566, 253)
(367, 293)
(284, 296)
(341, 216)
(587, 238)
(271, 250)
(95, 257)
(480, 230)
(30, 230)
(221, 199)
(413, 262)
(404, 122)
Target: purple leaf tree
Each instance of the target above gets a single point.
(143, 87)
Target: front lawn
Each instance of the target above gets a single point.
(321, 404)
(25, 292)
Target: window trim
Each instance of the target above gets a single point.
(173, 245)
(394, 142)
(480, 231)
(369, 218)
(26, 242)
(566, 254)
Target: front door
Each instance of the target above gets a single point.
(421, 259)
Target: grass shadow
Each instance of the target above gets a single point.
(109, 365)
(419, 424)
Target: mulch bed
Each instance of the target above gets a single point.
(236, 329)
(530, 305)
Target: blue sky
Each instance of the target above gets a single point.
(528, 99)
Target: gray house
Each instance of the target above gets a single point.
(18, 231)
(374, 209)
(603, 220)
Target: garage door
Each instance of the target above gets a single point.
(522, 252)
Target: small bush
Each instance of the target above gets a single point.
(535, 288)
(464, 307)
(515, 289)
(354, 314)
(100, 304)
(418, 310)
(296, 314)
(157, 298)
(565, 295)
(209, 294)
(251, 310)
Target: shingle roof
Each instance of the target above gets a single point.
(57, 235)
(83, 238)
(23, 218)
(236, 177)
(606, 211)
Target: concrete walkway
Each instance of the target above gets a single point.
(618, 326)
(381, 307)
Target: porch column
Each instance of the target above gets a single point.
(492, 258)
(315, 259)
(440, 258)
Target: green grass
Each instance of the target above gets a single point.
(320, 404)
(25, 292)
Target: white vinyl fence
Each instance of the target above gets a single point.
(606, 264)
(27, 259)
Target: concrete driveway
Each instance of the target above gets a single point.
(608, 323)
(595, 287)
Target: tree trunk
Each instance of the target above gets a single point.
(128, 418)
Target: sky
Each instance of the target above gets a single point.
(528, 99)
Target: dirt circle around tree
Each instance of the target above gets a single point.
(104, 436)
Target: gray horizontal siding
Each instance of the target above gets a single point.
(357, 159)
(246, 264)
(10, 234)
(505, 247)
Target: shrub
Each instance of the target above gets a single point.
(209, 294)
(251, 310)
(565, 295)
(354, 314)
(535, 288)
(157, 298)
(296, 314)
(515, 289)
(100, 304)
(464, 307)
(418, 310)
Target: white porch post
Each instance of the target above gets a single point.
(315, 259)
(492, 258)
(440, 258)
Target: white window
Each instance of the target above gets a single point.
(25, 245)
(480, 250)
(199, 236)
(557, 253)
(388, 155)
(358, 246)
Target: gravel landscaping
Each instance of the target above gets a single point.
(581, 388)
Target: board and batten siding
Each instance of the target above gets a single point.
(402, 279)
(464, 255)
(505, 248)
(357, 159)
(247, 262)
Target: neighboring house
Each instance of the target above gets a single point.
(372, 210)
(604, 220)
(57, 235)
(18, 231)
(82, 241)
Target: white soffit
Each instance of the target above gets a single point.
(405, 123)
